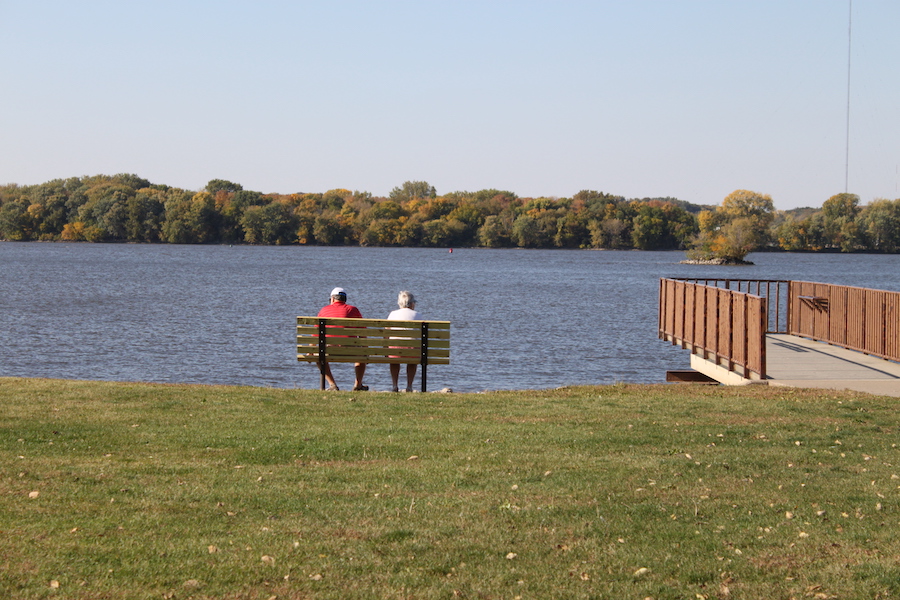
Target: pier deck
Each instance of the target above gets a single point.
(765, 332)
(800, 362)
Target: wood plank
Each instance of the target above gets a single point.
(438, 325)
(346, 332)
(380, 360)
(374, 344)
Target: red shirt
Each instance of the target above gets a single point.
(340, 310)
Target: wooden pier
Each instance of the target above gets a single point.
(779, 332)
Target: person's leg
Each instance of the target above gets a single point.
(360, 369)
(410, 375)
(395, 375)
(329, 378)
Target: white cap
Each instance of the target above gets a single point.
(338, 291)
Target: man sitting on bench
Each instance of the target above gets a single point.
(340, 309)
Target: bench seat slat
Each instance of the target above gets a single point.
(373, 332)
(373, 322)
(410, 354)
(380, 360)
(312, 342)
(363, 354)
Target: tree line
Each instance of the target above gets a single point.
(128, 208)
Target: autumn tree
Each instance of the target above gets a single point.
(880, 222)
(737, 227)
(105, 212)
(221, 185)
(16, 224)
(839, 221)
(272, 224)
(411, 190)
(495, 232)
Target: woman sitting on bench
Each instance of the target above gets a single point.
(407, 312)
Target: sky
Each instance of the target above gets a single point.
(690, 99)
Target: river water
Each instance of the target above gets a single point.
(521, 319)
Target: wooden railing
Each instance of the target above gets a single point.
(776, 291)
(726, 320)
(857, 318)
(722, 325)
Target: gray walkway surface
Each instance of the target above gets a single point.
(799, 362)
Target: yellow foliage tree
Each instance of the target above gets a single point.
(734, 229)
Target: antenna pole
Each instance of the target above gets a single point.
(847, 149)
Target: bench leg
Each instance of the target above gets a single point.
(424, 376)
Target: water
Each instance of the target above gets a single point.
(522, 319)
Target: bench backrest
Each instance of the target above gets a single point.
(373, 341)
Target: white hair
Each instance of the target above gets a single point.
(406, 299)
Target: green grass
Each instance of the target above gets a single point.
(112, 491)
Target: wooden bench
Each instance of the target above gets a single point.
(373, 341)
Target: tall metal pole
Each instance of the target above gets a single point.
(849, 54)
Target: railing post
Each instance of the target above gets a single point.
(662, 309)
(745, 341)
(790, 308)
(845, 335)
(764, 317)
(777, 307)
(731, 331)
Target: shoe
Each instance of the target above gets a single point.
(332, 388)
(361, 388)
(409, 389)
(394, 390)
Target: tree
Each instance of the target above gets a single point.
(471, 217)
(15, 222)
(495, 233)
(839, 221)
(526, 232)
(204, 218)
(609, 233)
(327, 230)
(736, 228)
(272, 223)
(648, 231)
(410, 233)
(442, 232)
(388, 209)
(758, 209)
(744, 203)
(178, 225)
(221, 185)
(381, 232)
(880, 221)
(144, 214)
(411, 190)
(794, 235)
(571, 231)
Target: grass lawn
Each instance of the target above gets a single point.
(111, 490)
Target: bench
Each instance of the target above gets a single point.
(373, 341)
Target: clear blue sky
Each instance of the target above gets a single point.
(687, 98)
